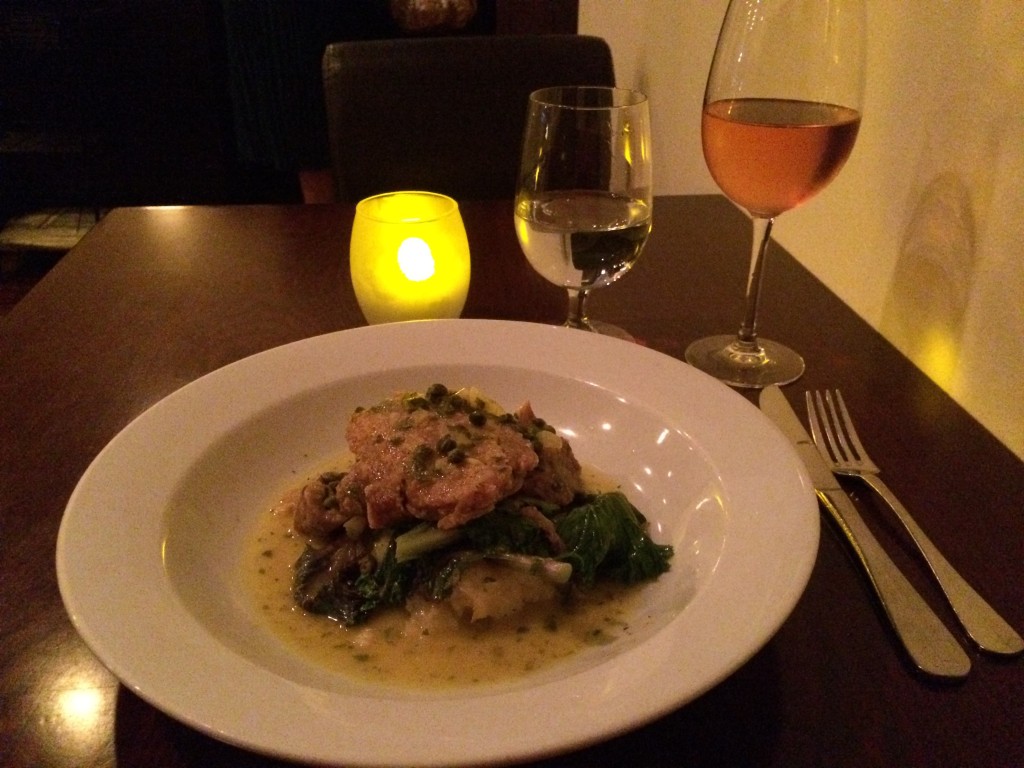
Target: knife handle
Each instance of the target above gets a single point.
(930, 645)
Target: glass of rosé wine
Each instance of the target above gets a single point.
(781, 112)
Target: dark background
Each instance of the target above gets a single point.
(125, 102)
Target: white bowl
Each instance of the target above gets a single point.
(149, 551)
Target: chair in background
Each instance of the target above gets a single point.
(444, 114)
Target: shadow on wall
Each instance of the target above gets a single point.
(955, 305)
(926, 306)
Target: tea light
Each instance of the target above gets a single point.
(409, 257)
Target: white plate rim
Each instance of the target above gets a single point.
(504, 727)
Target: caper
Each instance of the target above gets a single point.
(478, 418)
(417, 402)
(446, 444)
(422, 458)
(436, 392)
(457, 456)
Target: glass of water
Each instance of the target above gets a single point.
(584, 194)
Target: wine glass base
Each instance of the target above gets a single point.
(747, 365)
(605, 329)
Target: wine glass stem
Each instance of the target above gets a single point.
(578, 309)
(747, 336)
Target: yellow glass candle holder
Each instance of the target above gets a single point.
(409, 257)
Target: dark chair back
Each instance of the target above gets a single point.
(444, 114)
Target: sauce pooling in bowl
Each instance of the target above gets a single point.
(426, 646)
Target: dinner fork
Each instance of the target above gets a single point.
(841, 448)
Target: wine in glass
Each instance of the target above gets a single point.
(584, 196)
(781, 113)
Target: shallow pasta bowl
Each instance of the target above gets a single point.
(149, 555)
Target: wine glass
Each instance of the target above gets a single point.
(584, 197)
(781, 112)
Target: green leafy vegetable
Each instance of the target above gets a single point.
(607, 537)
(424, 538)
(505, 530)
(555, 571)
(440, 576)
(349, 595)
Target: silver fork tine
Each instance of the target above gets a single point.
(812, 417)
(844, 424)
(839, 428)
(823, 433)
(833, 432)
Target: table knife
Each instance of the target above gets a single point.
(929, 644)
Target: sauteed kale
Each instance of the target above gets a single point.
(447, 482)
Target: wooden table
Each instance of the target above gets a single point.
(153, 298)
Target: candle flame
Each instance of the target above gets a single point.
(415, 259)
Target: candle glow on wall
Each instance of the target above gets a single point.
(409, 257)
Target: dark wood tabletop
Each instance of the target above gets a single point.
(153, 298)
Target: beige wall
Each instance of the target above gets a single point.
(923, 231)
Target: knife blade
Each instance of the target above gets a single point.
(929, 644)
